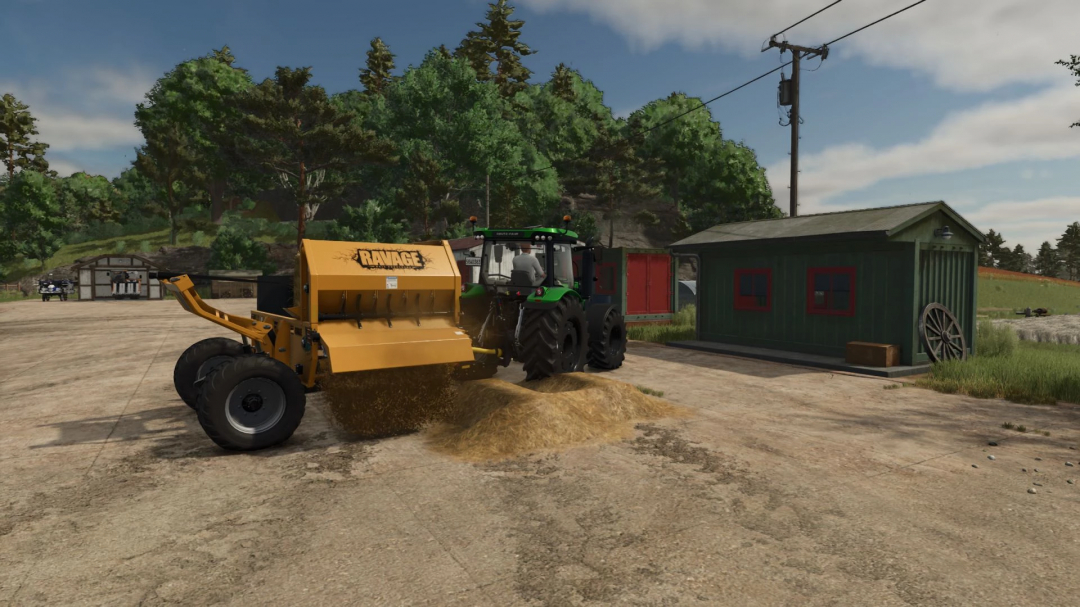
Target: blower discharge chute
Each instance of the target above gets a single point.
(357, 307)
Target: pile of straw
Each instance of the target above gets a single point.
(495, 420)
(389, 401)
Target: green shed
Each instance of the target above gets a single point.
(812, 284)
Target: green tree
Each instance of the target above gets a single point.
(380, 62)
(564, 117)
(462, 125)
(1016, 260)
(990, 251)
(86, 198)
(1068, 247)
(711, 180)
(1047, 261)
(168, 159)
(564, 83)
(498, 41)
(198, 96)
(614, 173)
(138, 195)
(1073, 65)
(234, 250)
(30, 217)
(290, 129)
(17, 126)
(370, 222)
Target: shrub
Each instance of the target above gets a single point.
(199, 239)
(232, 250)
(120, 246)
(995, 340)
(687, 316)
(144, 246)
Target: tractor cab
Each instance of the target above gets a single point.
(527, 260)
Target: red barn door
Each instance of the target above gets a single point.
(659, 285)
(637, 283)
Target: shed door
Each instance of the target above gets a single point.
(947, 277)
(637, 281)
(659, 287)
(648, 284)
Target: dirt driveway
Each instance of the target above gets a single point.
(787, 487)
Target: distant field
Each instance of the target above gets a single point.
(1002, 292)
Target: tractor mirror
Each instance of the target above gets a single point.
(498, 249)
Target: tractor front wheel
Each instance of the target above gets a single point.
(251, 403)
(554, 340)
(607, 338)
(196, 363)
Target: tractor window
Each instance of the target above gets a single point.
(498, 262)
(564, 265)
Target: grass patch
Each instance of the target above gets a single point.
(995, 340)
(1014, 294)
(20, 268)
(1022, 428)
(650, 391)
(894, 386)
(680, 329)
(1035, 373)
(6, 296)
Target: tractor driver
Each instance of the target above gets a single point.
(526, 262)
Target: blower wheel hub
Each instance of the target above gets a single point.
(252, 403)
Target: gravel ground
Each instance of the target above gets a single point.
(787, 486)
(1059, 328)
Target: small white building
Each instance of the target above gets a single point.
(119, 276)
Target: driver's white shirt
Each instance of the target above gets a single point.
(527, 263)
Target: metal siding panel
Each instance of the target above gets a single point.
(637, 284)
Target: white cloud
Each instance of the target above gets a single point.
(963, 45)
(84, 109)
(1032, 128)
(1027, 222)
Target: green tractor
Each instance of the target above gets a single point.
(531, 304)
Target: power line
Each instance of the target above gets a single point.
(743, 85)
(805, 19)
(875, 22)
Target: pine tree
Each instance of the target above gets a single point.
(445, 52)
(1047, 262)
(1073, 65)
(380, 62)
(562, 83)
(1069, 250)
(990, 252)
(17, 125)
(497, 41)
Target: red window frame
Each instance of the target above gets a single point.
(828, 308)
(750, 303)
(606, 270)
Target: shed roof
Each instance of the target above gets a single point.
(85, 261)
(868, 223)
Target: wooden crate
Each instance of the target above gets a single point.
(869, 354)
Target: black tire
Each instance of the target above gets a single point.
(199, 360)
(44, 298)
(554, 341)
(607, 338)
(250, 403)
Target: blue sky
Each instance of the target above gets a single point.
(953, 100)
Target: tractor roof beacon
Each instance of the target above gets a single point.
(538, 311)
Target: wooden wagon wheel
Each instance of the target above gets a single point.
(941, 334)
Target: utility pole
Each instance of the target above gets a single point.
(487, 201)
(790, 96)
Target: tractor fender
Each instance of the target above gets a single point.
(539, 305)
(595, 316)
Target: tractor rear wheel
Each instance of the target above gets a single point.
(607, 338)
(196, 363)
(252, 402)
(553, 341)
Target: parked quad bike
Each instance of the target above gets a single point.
(548, 323)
